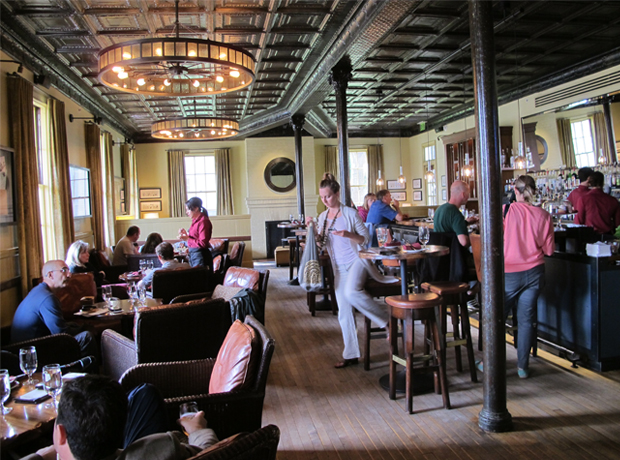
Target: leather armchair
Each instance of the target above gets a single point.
(219, 245)
(249, 278)
(194, 330)
(259, 445)
(51, 349)
(220, 265)
(235, 258)
(227, 413)
(167, 284)
(78, 286)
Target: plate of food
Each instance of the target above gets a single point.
(410, 248)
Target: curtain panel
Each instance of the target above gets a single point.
(375, 164)
(92, 135)
(567, 152)
(600, 136)
(61, 180)
(30, 243)
(331, 161)
(176, 182)
(224, 186)
(128, 176)
(108, 186)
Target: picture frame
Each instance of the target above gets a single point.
(417, 196)
(443, 181)
(444, 194)
(395, 185)
(150, 206)
(417, 184)
(150, 193)
(7, 186)
(399, 196)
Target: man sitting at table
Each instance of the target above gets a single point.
(126, 246)
(165, 254)
(385, 210)
(96, 419)
(448, 218)
(39, 314)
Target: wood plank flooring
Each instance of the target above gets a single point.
(327, 413)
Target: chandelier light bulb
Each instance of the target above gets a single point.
(401, 177)
(141, 81)
(117, 69)
(468, 170)
(219, 79)
(123, 75)
(127, 55)
(167, 82)
(379, 180)
(235, 73)
(196, 83)
(158, 52)
(429, 174)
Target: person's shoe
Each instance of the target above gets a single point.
(523, 373)
(480, 366)
(346, 363)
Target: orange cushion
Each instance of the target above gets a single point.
(234, 364)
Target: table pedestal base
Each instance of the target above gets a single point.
(422, 384)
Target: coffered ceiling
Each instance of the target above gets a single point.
(411, 58)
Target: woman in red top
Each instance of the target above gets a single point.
(198, 235)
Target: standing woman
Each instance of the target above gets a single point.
(198, 235)
(342, 233)
(528, 237)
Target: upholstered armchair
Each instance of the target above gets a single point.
(78, 285)
(167, 284)
(227, 412)
(219, 245)
(194, 330)
(220, 265)
(51, 349)
(259, 445)
(235, 258)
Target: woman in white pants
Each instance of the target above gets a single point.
(343, 234)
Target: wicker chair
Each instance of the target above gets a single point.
(51, 349)
(227, 413)
(259, 445)
(194, 330)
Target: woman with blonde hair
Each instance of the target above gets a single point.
(78, 256)
(369, 199)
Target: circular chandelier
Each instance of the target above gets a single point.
(175, 66)
(194, 128)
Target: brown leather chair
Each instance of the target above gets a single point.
(219, 245)
(220, 265)
(167, 284)
(259, 445)
(249, 278)
(78, 285)
(236, 254)
(192, 330)
(51, 349)
(227, 413)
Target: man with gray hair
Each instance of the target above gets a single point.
(448, 218)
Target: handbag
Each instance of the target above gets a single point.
(309, 274)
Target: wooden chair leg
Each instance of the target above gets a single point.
(466, 334)
(312, 303)
(367, 332)
(454, 314)
(442, 366)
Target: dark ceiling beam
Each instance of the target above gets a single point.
(239, 31)
(285, 59)
(303, 10)
(240, 10)
(295, 30)
(83, 64)
(172, 10)
(63, 33)
(77, 50)
(111, 11)
(439, 13)
(288, 46)
(125, 32)
(184, 31)
(42, 11)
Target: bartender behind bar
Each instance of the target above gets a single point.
(598, 210)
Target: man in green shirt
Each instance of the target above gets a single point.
(448, 218)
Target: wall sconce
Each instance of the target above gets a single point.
(20, 69)
(96, 119)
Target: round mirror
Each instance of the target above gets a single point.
(280, 175)
(543, 149)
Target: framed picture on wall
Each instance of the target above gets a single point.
(444, 194)
(150, 206)
(417, 184)
(150, 193)
(443, 181)
(400, 196)
(7, 182)
(395, 185)
(417, 196)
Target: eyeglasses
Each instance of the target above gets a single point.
(63, 270)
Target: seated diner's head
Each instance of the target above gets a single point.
(165, 251)
(525, 189)
(92, 413)
(152, 241)
(369, 199)
(55, 274)
(385, 196)
(193, 207)
(329, 191)
(583, 174)
(133, 233)
(459, 193)
(78, 254)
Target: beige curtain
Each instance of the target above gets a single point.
(375, 164)
(108, 186)
(176, 182)
(224, 187)
(61, 181)
(93, 157)
(331, 161)
(26, 180)
(600, 135)
(128, 176)
(567, 152)
(134, 198)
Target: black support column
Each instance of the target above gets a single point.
(494, 415)
(609, 124)
(297, 122)
(339, 78)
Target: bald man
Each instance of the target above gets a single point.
(448, 218)
(40, 314)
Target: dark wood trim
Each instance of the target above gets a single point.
(10, 284)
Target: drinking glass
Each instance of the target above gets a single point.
(188, 408)
(431, 213)
(28, 363)
(52, 382)
(142, 266)
(106, 293)
(424, 235)
(382, 235)
(142, 295)
(149, 264)
(131, 290)
(5, 389)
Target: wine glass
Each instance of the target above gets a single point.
(5, 389)
(106, 293)
(28, 363)
(149, 264)
(424, 235)
(131, 290)
(142, 295)
(52, 382)
(142, 266)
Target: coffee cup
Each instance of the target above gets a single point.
(115, 303)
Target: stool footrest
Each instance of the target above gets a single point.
(416, 359)
(456, 343)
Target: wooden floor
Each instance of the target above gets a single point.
(326, 413)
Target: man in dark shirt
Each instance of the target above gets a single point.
(448, 218)
(382, 213)
(39, 314)
(584, 186)
(597, 209)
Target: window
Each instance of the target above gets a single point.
(431, 184)
(201, 180)
(583, 143)
(358, 175)
(41, 138)
(80, 191)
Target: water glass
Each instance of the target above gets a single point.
(52, 382)
(131, 289)
(5, 389)
(149, 264)
(142, 295)
(106, 293)
(187, 409)
(28, 363)
(142, 266)
(424, 235)
(431, 213)
(382, 236)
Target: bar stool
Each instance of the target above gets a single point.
(409, 309)
(327, 291)
(454, 296)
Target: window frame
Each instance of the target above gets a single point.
(363, 187)
(72, 168)
(590, 156)
(432, 197)
(199, 193)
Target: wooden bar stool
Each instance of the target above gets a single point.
(409, 309)
(454, 296)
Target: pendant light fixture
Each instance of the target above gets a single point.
(401, 178)
(175, 66)
(520, 162)
(602, 159)
(429, 174)
(380, 181)
(468, 170)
